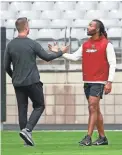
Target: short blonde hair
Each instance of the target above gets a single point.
(21, 23)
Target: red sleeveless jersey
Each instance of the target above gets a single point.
(94, 61)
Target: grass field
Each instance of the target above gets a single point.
(59, 143)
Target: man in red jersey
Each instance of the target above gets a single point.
(98, 66)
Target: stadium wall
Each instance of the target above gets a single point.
(65, 100)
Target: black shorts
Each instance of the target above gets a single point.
(93, 89)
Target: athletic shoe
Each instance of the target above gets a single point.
(26, 136)
(101, 141)
(87, 141)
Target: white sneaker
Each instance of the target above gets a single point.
(27, 137)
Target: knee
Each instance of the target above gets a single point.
(40, 108)
(98, 111)
(92, 108)
(99, 114)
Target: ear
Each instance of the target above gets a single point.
(26, 28)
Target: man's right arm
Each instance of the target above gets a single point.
(40, 52)
(74, 56)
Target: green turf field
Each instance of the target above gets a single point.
(59, 143)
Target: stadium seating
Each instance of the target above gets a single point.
(115, 14)
(48, 34)
(74, 46)
(106, 5)
(96, 14)
(2, 22)
(19, 6)
(60, 23)
(53, 14)
(111, 22)
(60, 20)
(42, 6)
(78, 33)
(9, 34)
(4, 6)
(73, 14)
(116, 43)
(64, 5)
(41, 23)
(33, 34)
(5, 15)
(115, 32)
(80, 23)
(10, 23)
(55, 33)
(86, 5)
(29, 14)
(120, 5)
(120, 22)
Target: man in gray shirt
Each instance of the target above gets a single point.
(22, 52)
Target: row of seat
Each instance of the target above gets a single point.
(81, 5)
(75, 44)
(73, 66)
(56, 14)
(59, 23)
(60, 34)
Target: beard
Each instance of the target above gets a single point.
(91, 33)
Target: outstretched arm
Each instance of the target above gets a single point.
(74, 56)
(40, 52)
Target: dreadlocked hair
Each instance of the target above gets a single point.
(101, 27)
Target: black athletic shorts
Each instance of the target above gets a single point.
(93, 89)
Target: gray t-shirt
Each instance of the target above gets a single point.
(22, 52)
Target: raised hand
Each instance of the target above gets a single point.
(53, 48)
(64, 48)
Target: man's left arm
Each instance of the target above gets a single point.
(7, 62)
(111, 57)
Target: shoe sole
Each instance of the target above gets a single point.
(104, 143)
(85, 145)
(26, 139)
(100, 144)
(26, 145)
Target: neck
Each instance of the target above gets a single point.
(95, 37)
(22, 34)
